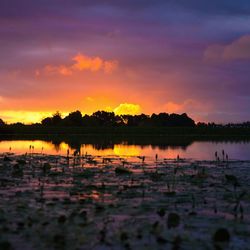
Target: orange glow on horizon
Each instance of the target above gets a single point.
(88, 84)
(29, 117)
(91, 106)
(26, 117)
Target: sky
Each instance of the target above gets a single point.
(126, 56)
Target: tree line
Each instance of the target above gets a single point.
(104, 118)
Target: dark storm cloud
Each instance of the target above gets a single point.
(28, 8)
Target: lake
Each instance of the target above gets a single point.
(200, 150)
(110, 198)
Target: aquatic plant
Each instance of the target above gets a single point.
(161, 212)
(173, 220)
(122, 170)
(238, 207)
(94, 207)
(221, 238)
(193, 206)
(46, 168)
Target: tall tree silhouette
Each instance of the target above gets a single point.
(74, 118)
(55, 120)
(2, 123)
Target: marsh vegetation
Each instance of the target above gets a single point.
(83, 201)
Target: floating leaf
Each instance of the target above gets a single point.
(221, 235)
(161, 212)
(173, 220)
(122, 170)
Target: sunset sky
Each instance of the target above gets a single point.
(127, 56)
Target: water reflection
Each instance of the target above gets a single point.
(164, 147)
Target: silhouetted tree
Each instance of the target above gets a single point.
(55, 120)
(135, 120)
(47, 121)
(181, 120)
(201, 124)
(2, 123)
(172, 120)
(105, 118)
(18, 124)
(89, 121)
(74, 118)
(162, 119)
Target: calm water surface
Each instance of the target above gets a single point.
(196, 150)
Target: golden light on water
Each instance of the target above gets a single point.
(125, 150)
(22, 147)
(120, 150)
